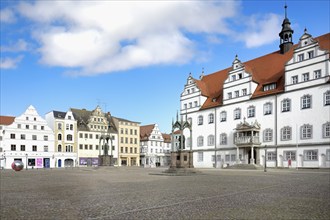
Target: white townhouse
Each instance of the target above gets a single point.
(28, 139)
(92, 126)
(64, 127)
(155, 146)
(274, 108)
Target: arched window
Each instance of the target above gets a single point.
(210, 140)
(211, 118)
(59, 126)
(59, 148)
(200, 120)
(200, 141)
(59, 137)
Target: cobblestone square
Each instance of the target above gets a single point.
(132, 193)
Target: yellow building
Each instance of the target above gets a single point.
(129, 142)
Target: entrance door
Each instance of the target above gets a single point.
(59, 163)
(254, 155)
(89, 162)
(46, 162)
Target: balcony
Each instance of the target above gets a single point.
(247, 140)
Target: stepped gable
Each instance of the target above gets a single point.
(145, 131)
(266, 69)
(6, 120)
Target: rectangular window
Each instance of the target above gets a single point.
(27, 126)
(34, 137)
(18, 125)
(86, 146)
(91, 147)
(286, 105)
(12, 136)
(317, 74)
(22, 147)
(80, 135)
(268, 108)
(35, 127)
(227, 157)
(13, 147)
(91, 136)
(233, 157)
(45, 148)
(290, 155)
(271, 156)
(45, 138)
(244, 92)
(31, 162)
(223, 116)
(251, 112)
(80, 146)
(268, 135)
(306, 102)
(34, 148)
(294, 79)
(305, 77)
(229, 95)
(237, 114)
(300, 57)
(196, 103)
(236, 94)
(22, 136)
(328, 155)
(270, 86)
(310, 54)
(310, 155)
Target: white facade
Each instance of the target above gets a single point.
(294, 123)
(154, 150)
(30, 140)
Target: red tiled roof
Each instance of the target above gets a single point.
(264, 70)
(167, 138)
(145, 131)
(6, 120)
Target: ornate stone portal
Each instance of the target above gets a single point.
(181, 158)
(104, 158)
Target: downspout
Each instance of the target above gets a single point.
(276, 162)
(215, 137)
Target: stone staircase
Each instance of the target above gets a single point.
(245, 167)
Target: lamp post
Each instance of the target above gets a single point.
(26, 164)
(265, 166)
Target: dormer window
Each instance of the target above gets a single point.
(233, 77)
(270, 86)
(188, 91)
(300, 57)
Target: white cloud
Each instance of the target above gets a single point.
(20, 45)
(107, 36)
(260, 30)
(10, 63)
(7, 16)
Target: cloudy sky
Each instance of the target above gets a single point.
(133, 57)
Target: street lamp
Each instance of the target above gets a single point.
(26, 157)
(265, 167)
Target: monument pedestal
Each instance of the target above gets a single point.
(105, 160)
(181, 164)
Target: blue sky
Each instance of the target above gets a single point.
(133, 59)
